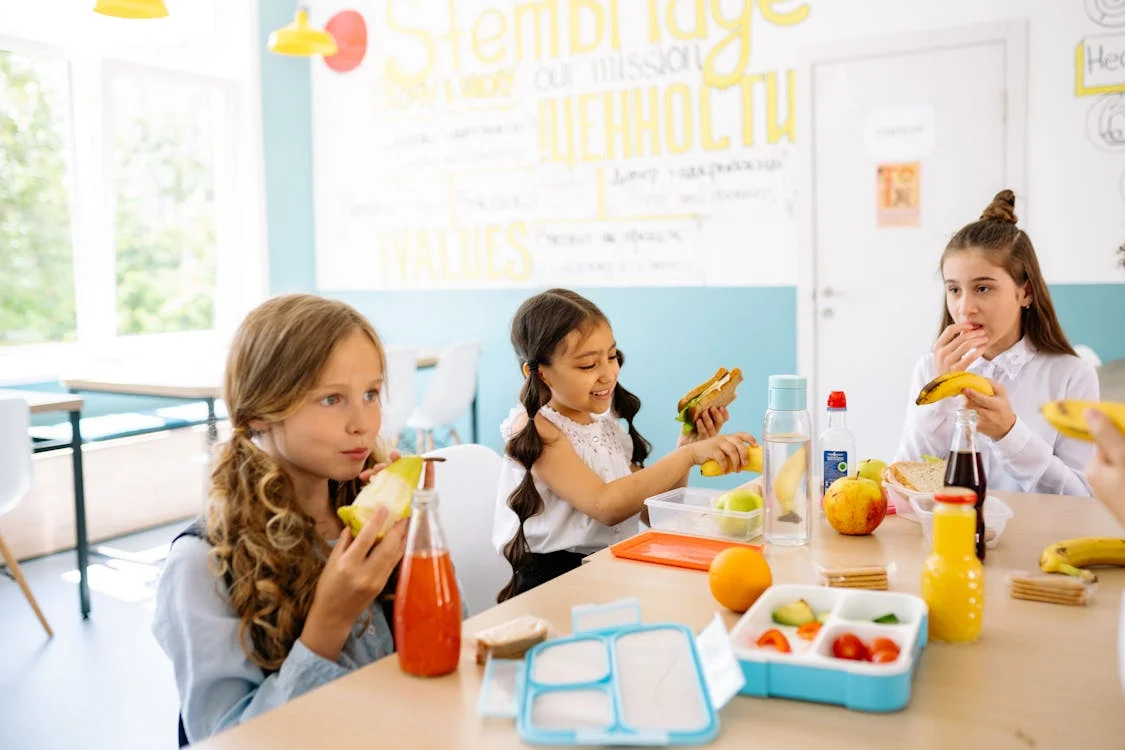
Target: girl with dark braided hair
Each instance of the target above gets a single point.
(573, 480)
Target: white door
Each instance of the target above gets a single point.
(926, 124)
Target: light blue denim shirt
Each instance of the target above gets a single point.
(219, 686)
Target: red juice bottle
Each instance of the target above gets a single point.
(965, 468)
(427, 610)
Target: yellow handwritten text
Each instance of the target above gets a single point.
(677, 119)
(461, 255)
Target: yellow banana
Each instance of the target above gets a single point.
(951, 384)
(786, 483)
(1070, 555)
(1069, 417)
(753, 463)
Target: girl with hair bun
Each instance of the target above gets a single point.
(998, 321)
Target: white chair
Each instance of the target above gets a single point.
(1088, 354)
(466, 484)
(398, 392)
(449, 395)
(15, 481)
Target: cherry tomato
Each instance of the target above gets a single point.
(776, 639)
(883, 656)
(809, 630)
(848, 646)
(884, 644)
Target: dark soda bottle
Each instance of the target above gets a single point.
(965, 468)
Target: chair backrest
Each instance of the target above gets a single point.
(450, 392)
(15, 452)
(1088, 354)
(398, 391)
(466, 485)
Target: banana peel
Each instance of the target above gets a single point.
(1070, 556)
(1069, 416)
(952, 384)
(393, 488)
(754, 463)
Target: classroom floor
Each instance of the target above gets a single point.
(99, 683)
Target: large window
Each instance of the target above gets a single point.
(164, 140)
(130, 182)
(36, 254)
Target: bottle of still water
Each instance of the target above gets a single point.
(836, 445)
(786, 438)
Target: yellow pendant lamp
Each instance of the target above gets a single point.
(131, 8)
(300, 39)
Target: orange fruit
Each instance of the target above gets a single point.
(738, 576)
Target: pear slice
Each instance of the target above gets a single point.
(393, 488)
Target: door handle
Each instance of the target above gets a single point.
(827, 313)
(827, 292)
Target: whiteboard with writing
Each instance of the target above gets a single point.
(571, 142)
(489, 143)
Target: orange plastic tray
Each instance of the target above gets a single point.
(680, 550)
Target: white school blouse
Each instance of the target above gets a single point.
(1033, 456)
(605, 447)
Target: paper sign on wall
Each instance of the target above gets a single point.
(898, 195)
(900, 134)
(1099, 65)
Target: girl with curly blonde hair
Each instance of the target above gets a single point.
(272, 596)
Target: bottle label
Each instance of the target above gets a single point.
(835, 466)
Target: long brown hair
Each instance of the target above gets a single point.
(1004, 244)
(263, 543)
(539, 327)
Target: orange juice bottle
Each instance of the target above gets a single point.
(953, 577)
(427, 610)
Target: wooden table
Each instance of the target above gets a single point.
(41, 402)
(1042, 675)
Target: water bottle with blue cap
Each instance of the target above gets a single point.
(787, 437)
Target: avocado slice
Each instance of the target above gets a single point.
(887, 619)
(795, 613)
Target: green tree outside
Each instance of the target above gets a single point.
(36, 255)
(164, 161)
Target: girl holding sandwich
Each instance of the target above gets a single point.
(998, 321)
(572, 481)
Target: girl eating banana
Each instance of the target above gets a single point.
(998, 322)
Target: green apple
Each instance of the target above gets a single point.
(742, 500)
(872, 468)
(931, 459)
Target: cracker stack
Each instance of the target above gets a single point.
(864, 577)
(1049, 589)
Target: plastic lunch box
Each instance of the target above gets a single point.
(688, 510)
(811, 672)
(615, 681)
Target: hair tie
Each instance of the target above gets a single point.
(242, 432)
(533, 367)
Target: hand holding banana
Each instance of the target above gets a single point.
(995, 417)
(1104, 423)
(1106, 469)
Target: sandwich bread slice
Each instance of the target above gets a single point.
(919, 476)
(719, 390)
